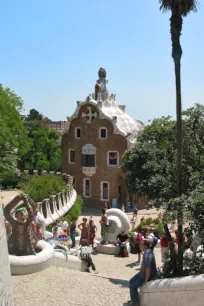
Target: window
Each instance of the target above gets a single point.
(72, 157)
(78, 133)
(87, 187)
(103, 133)
(74, 182)
(113, 158)
(105, 191)
(88, 160)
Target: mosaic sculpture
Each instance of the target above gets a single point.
(20, 241)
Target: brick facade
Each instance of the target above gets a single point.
(104, 173)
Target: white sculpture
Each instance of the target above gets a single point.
(118, 221)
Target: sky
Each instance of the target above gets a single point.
(51, 50)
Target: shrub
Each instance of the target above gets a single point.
(42, 187)
(8, 180)
(156, 224)
(75, 211)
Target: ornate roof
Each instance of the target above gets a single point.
(123, 124)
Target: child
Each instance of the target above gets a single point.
(85, 254)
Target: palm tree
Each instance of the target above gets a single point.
(179, 9)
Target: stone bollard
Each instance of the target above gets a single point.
(26, 172)
(6, 296)
(44, 172)
(35, 172)
(52, 172)
(59, 173)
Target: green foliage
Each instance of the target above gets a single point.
(43, 152)
(12, 132)
(34, 115)
(75, 211)
(155, 224)
(42, 187)
(8, 180)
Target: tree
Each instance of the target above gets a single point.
(151, 166)
(43, 151)
(179, 9)
(34, 115)
(12, 132)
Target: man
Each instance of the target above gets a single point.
(147, 272)
(63, 224)
(122, 240)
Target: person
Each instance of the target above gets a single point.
(151, 237)
(72, 231)
(134, 218)
(123, 207)
(64, 224)
(129, 206)
(106, 207)
(39, 232)
(85, 230)
(138, 240)
(93, 230)
(147, 272)
(84, 253)
(164, 247)
(122, 240)
(104, 224)
(55, 230)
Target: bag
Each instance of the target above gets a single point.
(139, 238)
(84, 253)
(125, 253)
(154, 243)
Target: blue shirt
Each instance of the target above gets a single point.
(148, 261)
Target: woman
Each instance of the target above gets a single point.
(85, 230)
(134, 218)
(104, 224)
(93, 230)
(72, 230)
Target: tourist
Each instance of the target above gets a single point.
(138, 240)
(64, 224)
(106, 207)
(39, 232)
(85, 254)
(129, 206)
(85, 230)
(142, 219)
(134, 218)
(93, 230)
(55, 230)
(164, 247)
(147, 272)
(151, 237)
(122, 240)
(72, 231)
(123, 207)
(104, 224)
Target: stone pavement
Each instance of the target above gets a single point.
(57, 286)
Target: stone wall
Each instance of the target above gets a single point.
(6, 297)
(183, 291)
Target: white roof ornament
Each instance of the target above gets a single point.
(105, 103)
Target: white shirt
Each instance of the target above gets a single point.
(64, 225)
(150, 237)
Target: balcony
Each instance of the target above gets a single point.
(89, 171)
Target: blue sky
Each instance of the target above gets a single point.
(51, 51)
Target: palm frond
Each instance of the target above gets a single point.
(184, 7)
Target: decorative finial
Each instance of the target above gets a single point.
(102, 73)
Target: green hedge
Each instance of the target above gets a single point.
(42, 187)
(155, 224)
(8, 180)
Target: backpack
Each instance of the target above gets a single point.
(84, 253)
(139, 238)
(154, 243)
